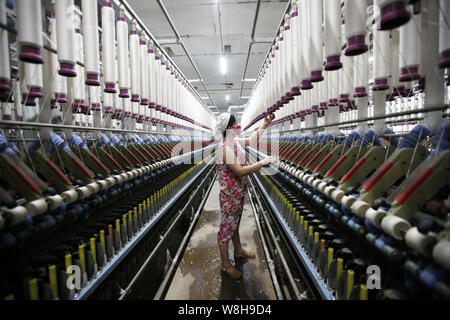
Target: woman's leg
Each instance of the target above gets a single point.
(238, 249)
(227, 224)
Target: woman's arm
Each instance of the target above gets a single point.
(255, 135)
(240, 171)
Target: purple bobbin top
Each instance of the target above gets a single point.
(356, 45)
(110, 88)
(316, 76)
(394, 15)
(92, 79)
(333, 63)
(409, 74)
(306, 85)
(31, 54)
(67, 69)
(380, 84)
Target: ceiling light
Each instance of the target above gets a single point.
(194, 80)
(223, 65)
(249, 80)
(227, 97)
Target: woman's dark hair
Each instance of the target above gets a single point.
(231, 122)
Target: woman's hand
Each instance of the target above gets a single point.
(267, 120)
(268, 160)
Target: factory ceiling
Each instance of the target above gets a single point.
(209, 30)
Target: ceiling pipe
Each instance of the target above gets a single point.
(175, 31)
(252, 41)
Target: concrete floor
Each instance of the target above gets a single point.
(199, 276)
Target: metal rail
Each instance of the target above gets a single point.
(163, 287)
(269, 260)
(16, 124)
(105, 272)
(137, 277)
(318, 281)
(386, 116)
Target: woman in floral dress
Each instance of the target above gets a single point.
(233, 185)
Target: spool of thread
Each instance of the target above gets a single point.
(122, 54)
(395, 226)
(355, 27)
(15, 215)
(78, 82)
(93, 187)
(36, 207)
(83, 192)
(143, 60)
(393, 13)
(91, 42)
(411, 49)
(5, 73)
(375, 216)
(29, 30)
(419, 241)
(295, 51)
(108, 47)
(332, 35)
(347, 201)
(361, 77)
(444, 34)
(381, 61)
(441, 254)
(305, 68)
(64, 15)
(316, 40)
(337, 195)
(359, 208)
(70, 196)
(54, 202)
(134, 63)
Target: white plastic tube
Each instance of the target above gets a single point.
(346, 79)
(295, 52)
(64, 14)
(332, 34)
(316, 40)
(411, 49)
(381, 61)
(287, 57)
(151, 75)
(78, 83)
(304, 45)
(361, 76)
(5, 72)
(108, 47)
(91, 42)
(444, 33)
(122, 54)
(143, 56)
(355, 27)
(29, 30)
(134, 63)
(57, 83)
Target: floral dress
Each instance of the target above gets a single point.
(232, 193)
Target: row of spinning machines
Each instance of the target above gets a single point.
(360, 95)
(96, 136)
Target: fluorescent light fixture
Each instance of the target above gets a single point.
(245, 97)
(223, 65)
(227, 97)
(249, 80)
(204, 98)
(194, 80)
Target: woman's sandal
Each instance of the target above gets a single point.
(245, 255)
(232, 272)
